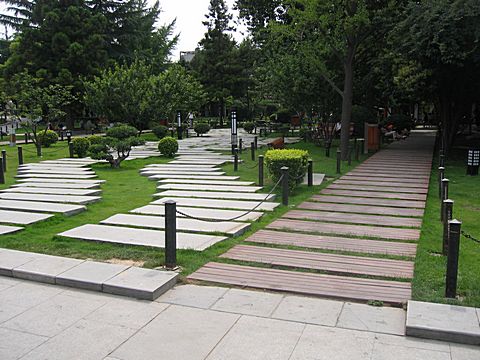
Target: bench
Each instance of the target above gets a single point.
(276, 144)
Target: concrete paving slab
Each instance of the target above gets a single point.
(140, 237)
(14, 344)
(196, 177)
(21, 217)
(221, 204)
(204, 213)
(6, 229)
(209, 187)
(463, 352)
(211, 162)
(46, 167)
(51, 191)
(443, 322)
(392, 352)
(56, 185)
(155, 174)
(58, 171)
(54, 176)
(89, 275)
(158, 222)
(193, 295)
(178, 333)
(246, 302)
(45, 268)
(217, 195)
(83, 200)
(317, 179)
(37, 206)
(210, 182)
(63, 181)
(141, 283)
(11, 259)
(195, 166)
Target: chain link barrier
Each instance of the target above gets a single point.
(251, 167)
(470, 237)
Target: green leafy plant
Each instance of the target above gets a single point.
(48, 138)
(160, 131)
(249, 127)
(80, 146)
(95, 139)
(168, 146)
(296, 160)
(201, 128)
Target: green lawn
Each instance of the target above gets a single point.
(429, 280)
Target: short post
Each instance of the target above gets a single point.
(260, 170)
(170, 234)
(442, 160)
(20, 155)
(452, 258)
(61, 135)
(26, 137)
(448, 215)
(285, 189)
(444, 197)
(255, 141)
(240, 145)
(310, 172)
(235, 159)
(339, 159)
(69, 136)
(357, 150)
(4, 158)
(252, 150)
(349, 155)
(2, 174)
(441, 176)
(70, 149)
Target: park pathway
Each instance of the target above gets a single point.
(355, 240)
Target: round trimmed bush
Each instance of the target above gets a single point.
(249, 127)
(295, 159)
(48, 138)
(160, 131)
(168, 146)
(122, 132)
(80, 146)
(95, 139)
(201, 128)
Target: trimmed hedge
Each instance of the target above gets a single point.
(160, 131)
(95, 139)
(249, 127)
(48, 138)
(168, 146)
(296, 160)
(80, 146)
(201, 128)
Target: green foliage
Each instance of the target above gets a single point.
(400, 122)
(160, 131)
(168, 146)
(296, 160)
(48, 138)
(80, 146)
(249, 127)
(95, 139)
(122, 132)
(201, 128)
(361, 115)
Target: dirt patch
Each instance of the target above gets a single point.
(126, 262)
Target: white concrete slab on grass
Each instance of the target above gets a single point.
(173, 168)
(193, 177)
(45, 268)
(221, 204)
(207, 186)
(54, 176)
(158, 222)
(6, 229)
(317, 179)
(193, 166)
(52, 185)
(140, 237)
(62, 181)
(21, 217)
(217, 195)
(55, 171)
(195, 161)
(46, 167)
(37, 206)
(209, 182)
(52, 191)
(187, 174)
(51, 198)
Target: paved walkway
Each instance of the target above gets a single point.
(370, 217)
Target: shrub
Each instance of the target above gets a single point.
(168, 146)
(95, 139)
(48, 138)
(122, 132)
(201, 128)
(361, 115)
(160, 131)
(401, 122)
(80, 146)
(249, 127)
(296, 160)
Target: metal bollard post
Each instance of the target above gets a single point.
(310, 172)
(448, 215)
(70, 149)
(20, 155)
(339, 159)
(284, 185)
(442, 160)
(4, 158)
(252, 150)
(61, 135)
(357, 150)
(444, 196)
(255, 141)
(235, 159)
(441, 176)
(170, 234)
(2, 175)
(452, 258)
(349, 155)
(260, 170)
(240, 145)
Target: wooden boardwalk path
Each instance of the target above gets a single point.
(340, 243)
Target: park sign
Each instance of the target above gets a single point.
(473, 161)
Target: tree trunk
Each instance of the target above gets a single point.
(347, 102)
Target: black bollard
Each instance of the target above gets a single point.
(260, 170)
(61, 135)
(20, 155)
(452, 258)
(255, 141)
(285, 189)
(235, 159)
(240, 145)
(4, 158)
(339, 159)
(2, 174)
(357, 152)
(441, 176)
(170, 234)
(252, 150)
(444, 196)
(442, 160)
(448, 215)
(349, 156)
(70, 149)
(310, 172)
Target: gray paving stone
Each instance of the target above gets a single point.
(392, 352)
(193, 295)
(7, 229)
(195, 160)
(56, 185)
(210, 182)
(248, 302)
(46, 168)
(37, 206)
(221, 204)
(141, 283)
(204, 213)
(45, 268)
(158, 222)
(217, 195)
(209, 187)
(51, 198)
(14, 344)
(189, 176)
(10, 259)
(51, 191)
(37, 170)
(317, 179)
(464, 352)
(375, 319)
(158, 174)
(89, 275)
(54, 176)
(178, 333)
(197, 166)
(308, 310)
(140, 237)
(63, 181)
(21, 217)
(443, 322)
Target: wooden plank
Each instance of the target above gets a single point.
(344, 229)
(392, 292)
(398, 189)
(375, 194)
(337, 243)
(329, 216)
(399, 175)
(361, 209)
(369, 201)
(340, 264)
(387, 179)
(367, 182)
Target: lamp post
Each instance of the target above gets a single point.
(233, 118)
(179, 125)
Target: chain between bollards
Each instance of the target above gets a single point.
(452, 258)
(310, 173)
(235, 159)
(20, 155)
(170, 234)
(285, 189)
(260, 170)
(339, 159)
(447, 216)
